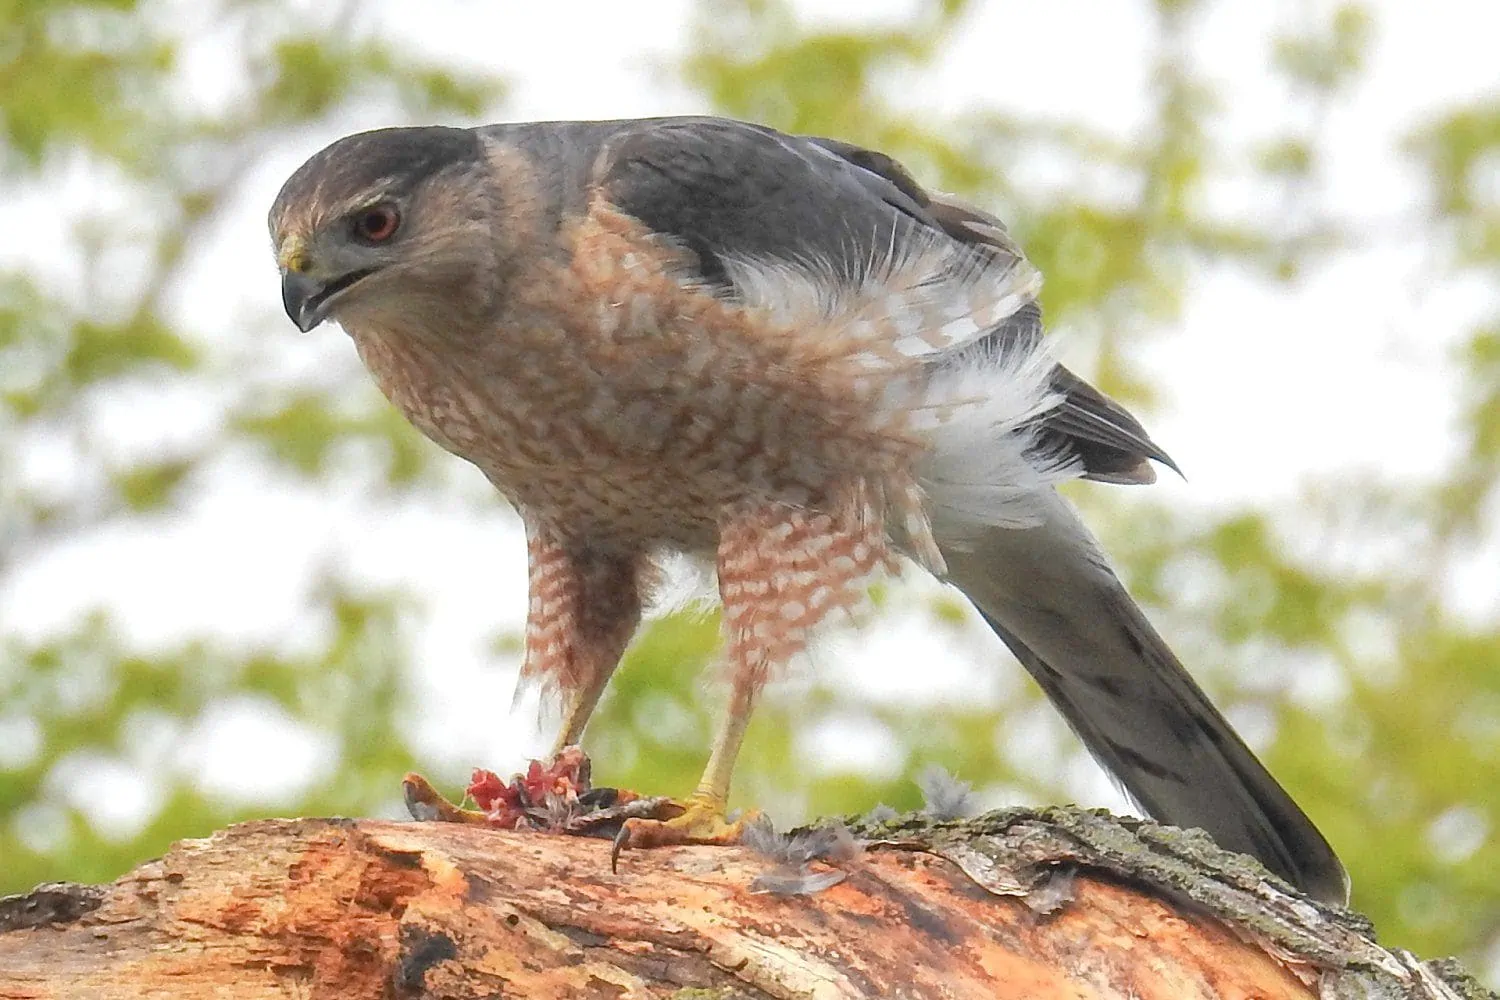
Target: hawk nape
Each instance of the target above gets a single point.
(779, 353)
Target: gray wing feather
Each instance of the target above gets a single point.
(728, 189)
(725, 188)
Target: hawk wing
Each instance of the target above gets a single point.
(730, 191)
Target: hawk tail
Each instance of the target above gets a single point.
(1047, 592)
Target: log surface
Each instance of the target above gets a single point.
(374, 909)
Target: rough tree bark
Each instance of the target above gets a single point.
(1035, 904)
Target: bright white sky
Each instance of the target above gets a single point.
(1264, 385)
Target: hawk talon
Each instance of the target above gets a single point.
(699, 819)
(553, 795)
(621, 836)
(428, 805)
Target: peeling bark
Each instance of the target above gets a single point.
(1035, 904)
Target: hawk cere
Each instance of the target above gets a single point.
(781, 355)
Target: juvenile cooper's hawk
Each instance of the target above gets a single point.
(779, 353)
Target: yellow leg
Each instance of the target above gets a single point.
(579, 708)
(702, 817)
(772, 561)
(730, 734)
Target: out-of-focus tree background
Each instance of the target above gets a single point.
(213, 531)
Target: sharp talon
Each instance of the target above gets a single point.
(555, 796)
(621, 838)
(698, 820)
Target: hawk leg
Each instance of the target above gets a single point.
(701, 818)
(782, 570)
(585, 603)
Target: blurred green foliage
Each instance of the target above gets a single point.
(1400, 767)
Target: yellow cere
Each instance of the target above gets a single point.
(293, 255)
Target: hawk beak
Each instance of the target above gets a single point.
(308, 301)
(302, 297)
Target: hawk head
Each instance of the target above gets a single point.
(392, 218)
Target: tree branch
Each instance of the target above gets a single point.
(1020, 903)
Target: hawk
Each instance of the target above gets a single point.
(779, 354)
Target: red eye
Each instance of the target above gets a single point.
(377, 223)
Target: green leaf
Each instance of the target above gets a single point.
(101, 351)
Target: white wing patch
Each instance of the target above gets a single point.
(923, 295)
(907, 321)
(986, 466)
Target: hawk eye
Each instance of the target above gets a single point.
(377, 223)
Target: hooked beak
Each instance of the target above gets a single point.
(308, 300)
